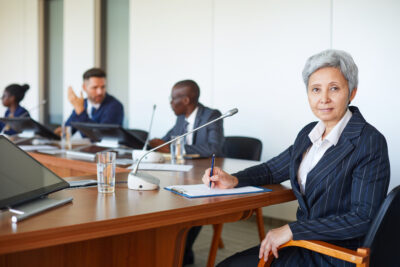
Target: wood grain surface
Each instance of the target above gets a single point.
(128, 227)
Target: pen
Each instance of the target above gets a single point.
(212, 167)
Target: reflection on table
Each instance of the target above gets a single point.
(126, 228)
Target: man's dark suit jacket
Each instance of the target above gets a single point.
(110, 111)
(343, 191)
(206, 141)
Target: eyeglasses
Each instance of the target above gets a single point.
(174, 98)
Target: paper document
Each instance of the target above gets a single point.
(163, 167)
(201, 190)
(38, 147)
(123, 161)
(81, 155)
(52, 151)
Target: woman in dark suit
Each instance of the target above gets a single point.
(12, 96)
(338, 168)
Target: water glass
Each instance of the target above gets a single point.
(106, 172)
(66, 137)
(177, 150)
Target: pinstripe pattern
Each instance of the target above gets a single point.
(343, 192)
(206, 141)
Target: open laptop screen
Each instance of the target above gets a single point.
(98, 131)
(20, 124)
(22, 178)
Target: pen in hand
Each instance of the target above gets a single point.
(212, 168)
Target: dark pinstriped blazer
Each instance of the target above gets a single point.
(343, 191)
(206, 141)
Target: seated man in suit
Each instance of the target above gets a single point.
(99, 107)
(205, 142)
(191, 114)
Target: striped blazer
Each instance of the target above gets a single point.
(343, 191)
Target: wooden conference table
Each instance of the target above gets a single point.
(126, 228)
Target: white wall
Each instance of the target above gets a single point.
(373, 39)
(117, 51)
(79, 45)
(250, 54)
(170, 41)
(19, 53)
(19, 47)
(260, 49)
(241, 53)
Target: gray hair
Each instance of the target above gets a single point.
(333, 58)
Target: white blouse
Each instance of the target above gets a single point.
(313, 155)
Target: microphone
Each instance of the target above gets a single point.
(230, 113)
(151, 124)
(144, 181)
(41, 103)
(155, 157)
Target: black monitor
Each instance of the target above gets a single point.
(22, 178)
(20, 124)
(97, 132)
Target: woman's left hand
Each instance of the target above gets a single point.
(273, 240)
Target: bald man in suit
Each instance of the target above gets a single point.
(205, 142)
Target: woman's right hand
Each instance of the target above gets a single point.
(220, 179)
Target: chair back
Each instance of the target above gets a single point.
(383, 237)
(241, 147)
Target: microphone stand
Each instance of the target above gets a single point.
(151, 124)
(44, 101)
(148, 182)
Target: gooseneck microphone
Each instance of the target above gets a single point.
(149, 131)
(41, 103)
(148, 182)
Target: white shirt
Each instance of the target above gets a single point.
(89, 107)
(313, 155)
(191, 119)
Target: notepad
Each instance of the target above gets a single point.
(201, 190)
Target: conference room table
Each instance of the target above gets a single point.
(128, 227)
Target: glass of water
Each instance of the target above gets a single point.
(66, 137)
(106, 172)
(177, 151)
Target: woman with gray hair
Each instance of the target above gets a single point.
(338, 168)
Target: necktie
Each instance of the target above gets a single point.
(92, 112)
(185, 127)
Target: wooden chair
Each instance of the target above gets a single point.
(380, 246)
(239, 147)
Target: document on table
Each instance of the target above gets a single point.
(123, 161)
(163, 167)
(38, 147)
(201, 190)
